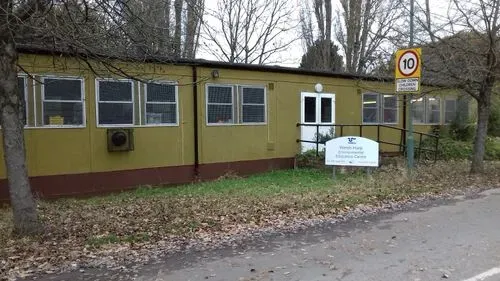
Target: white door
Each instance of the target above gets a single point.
(316, 109)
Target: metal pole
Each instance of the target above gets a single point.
(409, 140)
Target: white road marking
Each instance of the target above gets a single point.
(486, 274)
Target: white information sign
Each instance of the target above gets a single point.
(407, 85)
(352, 151)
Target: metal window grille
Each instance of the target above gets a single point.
(253, 105)
(62, 102)
(161, 103)
(220, 104)
(115, 102)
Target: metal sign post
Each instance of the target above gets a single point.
(408, 72)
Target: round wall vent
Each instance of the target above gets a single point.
(119, 138)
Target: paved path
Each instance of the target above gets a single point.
(457, 240)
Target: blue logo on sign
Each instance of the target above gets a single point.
(351, 140)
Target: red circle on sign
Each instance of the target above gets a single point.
(416, 63)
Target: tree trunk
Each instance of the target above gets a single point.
(11, 104)
(178, 27)
(484, 108)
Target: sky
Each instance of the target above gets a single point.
(292, 56)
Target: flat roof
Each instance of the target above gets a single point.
(28, 49)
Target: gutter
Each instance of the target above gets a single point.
(195, 123)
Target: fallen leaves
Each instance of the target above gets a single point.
(114, 230)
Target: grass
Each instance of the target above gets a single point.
(151, 215)
(267, 184)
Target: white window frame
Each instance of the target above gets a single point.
(97, 101)
(380, 107)
(317, 117)
(424, 113)
(239, 103)
(24, 76)
(425, 101)
(319, 111)
(382, 104)
(427, 108)
(82, 100)
(145, 92)
(231, 86)
(377, 107)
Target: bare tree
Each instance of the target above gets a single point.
(248, 31)
(363, 27)
(168, 28)
(464, 55)
(94, 32)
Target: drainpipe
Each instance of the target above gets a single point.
(195, 122)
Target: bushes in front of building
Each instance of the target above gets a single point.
(453, 149)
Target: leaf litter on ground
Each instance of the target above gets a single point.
(139, 225)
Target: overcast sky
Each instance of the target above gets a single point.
(292, 56)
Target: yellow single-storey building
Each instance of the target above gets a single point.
(104, 125)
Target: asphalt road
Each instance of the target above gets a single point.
(446, 240)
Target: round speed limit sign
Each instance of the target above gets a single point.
(408, 63)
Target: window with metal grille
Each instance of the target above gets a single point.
(220, 104)
(62, 101)
(115, 102)
(161, 103)
(253, 105)
(231, 104)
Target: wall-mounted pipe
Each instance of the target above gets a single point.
(195, 121)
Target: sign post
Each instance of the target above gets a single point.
(408, 72)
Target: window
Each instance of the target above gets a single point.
(370, 108)
(220, 104)
(418, 108)
(310, 109)
(62, 102)
(450, 110)
(390, 109)
(433, 110)
(22, 87)
(115, 102)
(426, 110)
(253, 106)
(161, 103)
(326, 110)
(378, 108)
(227, 104)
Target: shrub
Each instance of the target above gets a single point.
(450, 149)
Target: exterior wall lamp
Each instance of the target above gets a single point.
(318, 88)
(215, 73)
